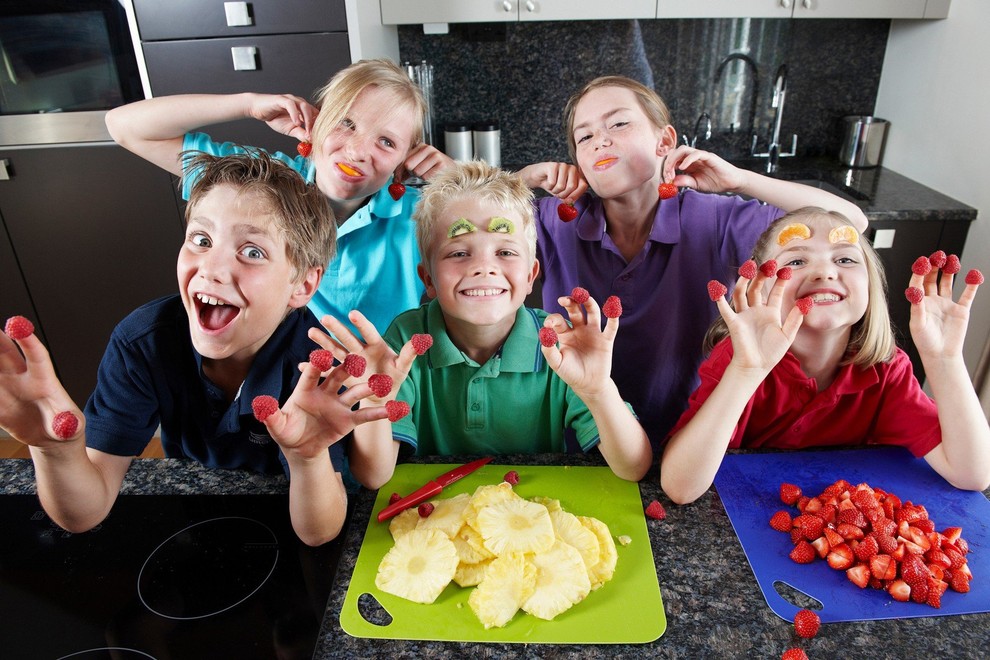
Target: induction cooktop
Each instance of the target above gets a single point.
(163, 577)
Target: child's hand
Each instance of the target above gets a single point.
(284, 113)
(31, 395)
(425, 161)
(559, 179)
(701, 170)
(938, 325)
(584, 358)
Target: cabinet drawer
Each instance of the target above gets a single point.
(190, 19)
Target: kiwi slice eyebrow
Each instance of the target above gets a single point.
(501, 226)
(460, 226)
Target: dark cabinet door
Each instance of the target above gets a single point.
(14, 296)
(189, 19)
(96, 231)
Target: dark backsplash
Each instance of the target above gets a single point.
(523, 73)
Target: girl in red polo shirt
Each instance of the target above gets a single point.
(805, 357)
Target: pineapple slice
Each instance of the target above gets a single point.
(471, 546)
(419, 566)
(403, 522)
(515, 526)
(509, 581)
(469, 575)
(447, 516)
(485, 496)
(550, 503)
(561, 581)
(570, 530)
(603, 571)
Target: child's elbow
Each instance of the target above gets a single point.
(679, 493)
(973, 482)
(314, 540)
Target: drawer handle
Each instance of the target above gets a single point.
(4, 172)
(238, 14)
(245, 58)
(506, 5)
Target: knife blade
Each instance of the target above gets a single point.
(431, 488)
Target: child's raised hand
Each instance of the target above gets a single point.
(687, 167)
(938, 325)
(425, 161)
(284, 113)
(561, 180)
(584, 357)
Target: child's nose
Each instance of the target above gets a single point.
(215, 267)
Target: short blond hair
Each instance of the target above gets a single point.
(298, 210)
(337, 96)
(655, 108)
(475, 180)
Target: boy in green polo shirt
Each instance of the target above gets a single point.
(486, 385)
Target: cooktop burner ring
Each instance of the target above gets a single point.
(116, 649)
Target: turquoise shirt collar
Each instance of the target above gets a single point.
(380, 206)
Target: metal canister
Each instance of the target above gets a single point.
(488, 142)
(457, 142)
(863, 139)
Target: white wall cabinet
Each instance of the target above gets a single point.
(401, 12)
(802, 8)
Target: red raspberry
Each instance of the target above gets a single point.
(781, 521)
(806, 624)
(580, 295)
(667, 190)
(355, 364)
(322, 359)
(921, 266)
(716, 290)
(511, 477)
(952, 265)
(264, 406)
(567, 212)
(380, 385)
(396, 190)
(769, 268)
(785, 273)
(548, 337)
(914, 294)
(612, 308)
(304, 148)
(425, 509)
(65, 425)
(937, 259)
(18, 327)
(974, 277)
(794, 654)
(748, 269)
(421, 343)
(396, 410)
(805, 304)
(393, 498)
(656, 511)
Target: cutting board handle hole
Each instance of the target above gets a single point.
(372, 611)
(796, 597)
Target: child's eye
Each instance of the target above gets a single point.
(457, 253)
(253, 252)
(199, 240)
(620, 124)
(847, 261)
(347, 123)
(388, 143)
(794, 263)
(583, 138)
(506, 253)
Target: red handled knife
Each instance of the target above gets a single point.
(431, 489)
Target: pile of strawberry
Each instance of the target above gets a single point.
(877, 540)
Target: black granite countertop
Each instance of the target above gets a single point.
(713, 604)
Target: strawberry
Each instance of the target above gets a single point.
(656, 511)
(393, 498)
(803, 553)
(769, 268)
(322, 359)
(304, 148)
(841, 557)
(18, 327)
(952, 265)
(425, 509)
(511, 477)
(899, 591)
(567, 212)
(380, 385)
(794, 654)
(579, 295)
(667, 190)
(934, 593)
(789, 493)
(355, 364)
(396, 410)
(612, 308)
(867, 548)
(959, 582)
(264, 406)
(921, 266)
(785, 273)
(716, 290)
(937, 259)
(833, 537)
(919, 592)
(65, 425)
(748, 269)
(806, 624)
(853, 517)
(805, 304)
(396, 190)
(882, 567)
(821, 547)
(421, 343)
(811, 526)
(974, 277)
(859, 575)
(548, 337)
(914, 295)
(781, 521)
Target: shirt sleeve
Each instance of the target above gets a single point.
(907, 416)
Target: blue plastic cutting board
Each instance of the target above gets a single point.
(749, 485)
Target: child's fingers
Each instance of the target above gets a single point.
(574, 311)
(365, 327)
(725, 309)
(353, 395)
(776, 296)
(342, 335)
(404, 361)
(740, 297)
(611, 328)
(792, 323)
(327, 341)
(557, 323)
(968, 294)
(552, 355)
(593, 312)
(370, 414)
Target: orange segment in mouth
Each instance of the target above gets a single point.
(348, 170)
(604, 161)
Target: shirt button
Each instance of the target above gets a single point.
(475, 407)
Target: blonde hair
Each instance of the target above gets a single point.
(299, 211)
(650, 102)
(871, 340)
(337, 96)
(474, 180)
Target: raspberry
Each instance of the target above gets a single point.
(748, 269)
(425, 509)
(781, 521)
(656, 511)
(952, 265)
(805, 304)
(322, 359)
(380, 385)
(914, 294)
(18, 327)
(65, 425)
(769, 268)
(716, 290)
(396, 410)
(667, 190)
(304, 148)
(974, 277)
(264, 406)
(579, 295)
(393, 498)
(785, 273)
(511, 477)
(612, 308)
(548, 337)
(355, 364)
(921, 266)
(937, 259)
(806, 624)
(421, 343)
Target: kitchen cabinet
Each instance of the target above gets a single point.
(802, 8)
(94, 231)
(15, 300)
(398, 12)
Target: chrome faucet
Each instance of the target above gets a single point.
(774, 153)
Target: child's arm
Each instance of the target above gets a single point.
(707, 172)
(425, 161)
(938, 328)
(77, 486)
(561, 180)
(759, 341)
(373, 452)
(584, 362)
(153, 128)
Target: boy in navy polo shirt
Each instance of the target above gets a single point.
(257, 241)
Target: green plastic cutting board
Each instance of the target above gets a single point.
(626, 610)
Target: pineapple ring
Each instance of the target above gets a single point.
(569, 529)
(561, 581)
(403, 523)
(603, 571)
(509, 581)
(447, 516)
(419, 566)
(516, 526)
(470, 575)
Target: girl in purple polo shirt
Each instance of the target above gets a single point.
(656, 255)
(805, 356)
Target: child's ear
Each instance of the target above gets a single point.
(424, 274)
(534, 273)
(305, 288)
(666, 140)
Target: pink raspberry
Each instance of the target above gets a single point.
(716, 290)
(18, 327)
(612, 308)
(914, 294)
(656, 511)
(785, 273)
(748, 269)
(421, 343)
(580, 295)
(264, 406)
(380, 384)
(805, 304)
(65, 425)
(322, 359)
(921, 266)
(355, 364)
(952, 265)
(511, 477)
(769, 268)
(396, 410)
(393, 498)
(937, 259)
(974, 277)
(548, 337)
(425, 509)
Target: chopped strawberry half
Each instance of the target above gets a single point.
(748, 269)
(511, 477)
(425, 509)
(859, 575)
(781, 521)
(803, 553)
(18, 327)
(548, 337)
(612, 308)
(580, 295)
(656, 511)
(65, 425)
(952, 265)
(421, 343)
(380, 384)
(304, 148)
(322, 359)
(866, 548)
(789, 493)
(806, 624)
(785, 273)
(974, 277)
(921, 266)
(804, 304)
(396, 410)
(393, 498)
(396, 190)
(769, 268)
(264, 406)
(355, 364)
(841, 557)
(567, 212)
(899, 591)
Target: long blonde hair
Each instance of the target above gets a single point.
(871, 340)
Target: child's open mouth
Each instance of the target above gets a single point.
(481, 293)
(214, 314)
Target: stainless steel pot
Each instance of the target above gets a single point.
(863, 139)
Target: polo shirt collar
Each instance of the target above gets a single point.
(666, 223)
(851, 378)
(381, 205)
